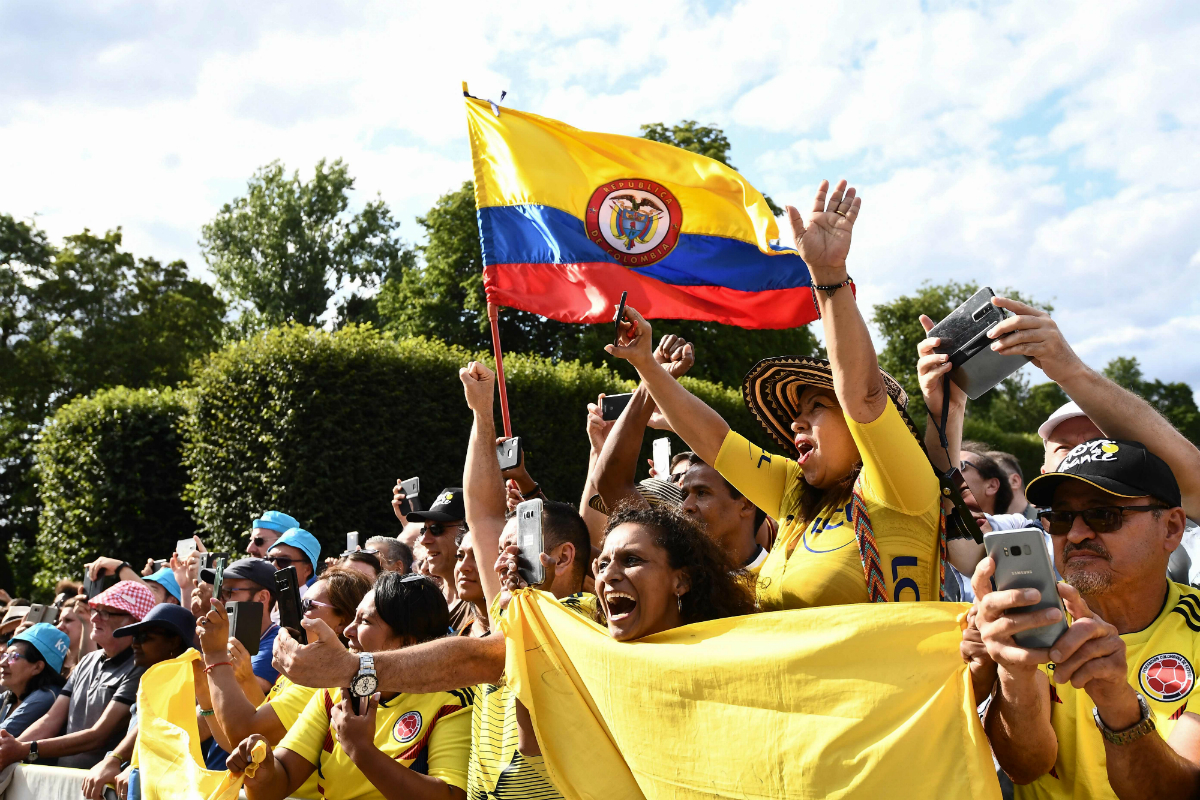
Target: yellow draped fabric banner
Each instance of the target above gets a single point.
(862, 701)
(168, 755)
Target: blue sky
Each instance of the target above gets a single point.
(1049, 147)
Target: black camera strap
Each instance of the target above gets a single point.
(960, 522)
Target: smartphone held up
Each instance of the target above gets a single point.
(1023, 563)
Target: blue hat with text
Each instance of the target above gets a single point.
(50, 642)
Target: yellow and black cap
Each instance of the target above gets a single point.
(772, 393)
(1124, 469)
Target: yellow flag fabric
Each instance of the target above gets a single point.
(868, 700)
(168, 748)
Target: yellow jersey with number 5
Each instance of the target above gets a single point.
(816, 562)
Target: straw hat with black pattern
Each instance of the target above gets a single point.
(772, 392)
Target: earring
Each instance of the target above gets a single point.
(679, 602)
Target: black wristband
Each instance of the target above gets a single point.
(534, 492)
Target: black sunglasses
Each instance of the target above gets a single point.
(1105, 519)
(437, 528)
(283, 562)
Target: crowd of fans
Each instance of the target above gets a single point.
(853, 513)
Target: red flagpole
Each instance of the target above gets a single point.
(493, 313)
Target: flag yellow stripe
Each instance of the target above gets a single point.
(521, 158)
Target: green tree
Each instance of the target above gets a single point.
(707, 140)
(287, 246)
(74, 319)
(443, 298)
(1174, 401)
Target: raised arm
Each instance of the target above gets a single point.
(616, 468)
(598, 430)
(696, 423)
(932, 369)
(483, 486)
(824, 244)
(1118, 412)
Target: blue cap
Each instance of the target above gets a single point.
(52, 643)
(275, 521)
(305, 542)
(166, 579)
(168, 617)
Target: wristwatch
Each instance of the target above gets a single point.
(33, 753)
(364, 683)
(1132, 734)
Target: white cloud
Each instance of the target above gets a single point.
(1042, 146)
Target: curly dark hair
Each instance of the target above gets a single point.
(717, 587)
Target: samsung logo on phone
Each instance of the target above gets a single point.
(1022, 572)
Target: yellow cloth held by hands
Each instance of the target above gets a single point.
(169, 761)
(867, 700)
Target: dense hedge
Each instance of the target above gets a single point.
(111, 482)
(322, 424)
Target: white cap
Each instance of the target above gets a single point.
(1069, 411)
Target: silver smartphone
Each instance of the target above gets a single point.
(531, 541)
(351, 541)
(1023, 563)
(662, 458)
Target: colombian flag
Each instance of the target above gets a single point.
(569, 219)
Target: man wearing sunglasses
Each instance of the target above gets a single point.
(1104, 711)
(265, 530)
(442, 523)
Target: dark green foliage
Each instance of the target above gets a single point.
(444, 299)
(285, 246)
(74, 319)
(321, 425)
(111, 482)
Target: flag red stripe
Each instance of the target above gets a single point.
(589, 292)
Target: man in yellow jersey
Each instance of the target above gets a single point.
(1104, 711)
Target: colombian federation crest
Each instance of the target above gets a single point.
(1167, 677)
(636, 221)
(407, 727)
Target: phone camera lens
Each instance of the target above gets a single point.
(1016, 551)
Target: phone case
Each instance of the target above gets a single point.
(245, 623)
(91, 588)
(612, 405)
(531, 542)
(509, 453)
(1023, 563)
(287, 583)
(412, 488)
(662, 457)
(977, 368)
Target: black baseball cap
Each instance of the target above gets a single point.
(1125, 469)
(258, 570)
(165, 617)
(448, 507)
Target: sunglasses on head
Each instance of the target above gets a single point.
(437, 528)
(1104, 519)
(308, 604)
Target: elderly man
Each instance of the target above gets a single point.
(91, 714)
(1103, 711)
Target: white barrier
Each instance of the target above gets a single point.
(31, 782)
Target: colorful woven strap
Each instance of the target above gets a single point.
(867, 550)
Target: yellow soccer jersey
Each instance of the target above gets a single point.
(428, 733)
(818, 564)
(288, 701)
(1160, 660)
(498, 770)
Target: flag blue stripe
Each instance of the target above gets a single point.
(534, 234)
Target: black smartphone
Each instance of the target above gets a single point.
(613, 404)
(245, 623)
(159, 563)
(1023, 563)
(508, 453)
(531, 541)
(287, 594)
(964, 334)
(619, 318)
(94, 587)
(411, 489)
(359, 704)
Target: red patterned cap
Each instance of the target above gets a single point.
(129, 596)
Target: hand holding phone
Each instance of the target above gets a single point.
(532, 542)
(351, 541)
(620, 318)
(287, 590)
(1023, 563)
(613, 404)
(509, 453)
(662, 458)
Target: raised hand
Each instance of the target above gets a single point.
(355, 732)
(598, 427)
(675, 355)
(479, 385)
(825, 242)
(931, 369)
(1031, 332)
(636, 343)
